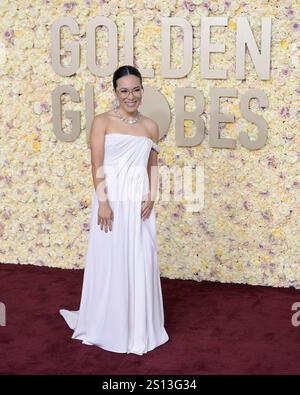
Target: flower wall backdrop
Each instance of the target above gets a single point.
(248, 230)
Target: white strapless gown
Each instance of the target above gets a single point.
(121, 308)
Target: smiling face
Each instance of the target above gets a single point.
(129, 93)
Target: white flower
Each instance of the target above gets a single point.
(292, 157)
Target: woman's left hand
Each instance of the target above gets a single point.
(147, 206)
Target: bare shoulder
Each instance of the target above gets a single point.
(152, 128)
(103, 117)
(98, 128)
(100, 122)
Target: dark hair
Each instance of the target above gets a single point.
(126, 70)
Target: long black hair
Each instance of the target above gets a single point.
(126, 70)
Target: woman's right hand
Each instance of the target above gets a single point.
(105, 216)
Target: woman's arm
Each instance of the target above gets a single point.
(152, 169)
(97, 138)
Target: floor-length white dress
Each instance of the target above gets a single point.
(121, 308)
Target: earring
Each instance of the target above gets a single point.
(115, 104)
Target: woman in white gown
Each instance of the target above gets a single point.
(121, 308)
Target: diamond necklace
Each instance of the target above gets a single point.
(130, 121)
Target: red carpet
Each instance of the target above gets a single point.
(214, 328)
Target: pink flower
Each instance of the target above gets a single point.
(290, 13)
(284, 112)
(70, 6)
(285, 71)
(190, 7)
(45, 106)
(296, 26)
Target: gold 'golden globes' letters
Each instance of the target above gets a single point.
(154, 103)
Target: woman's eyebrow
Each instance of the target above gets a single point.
(132, 88)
